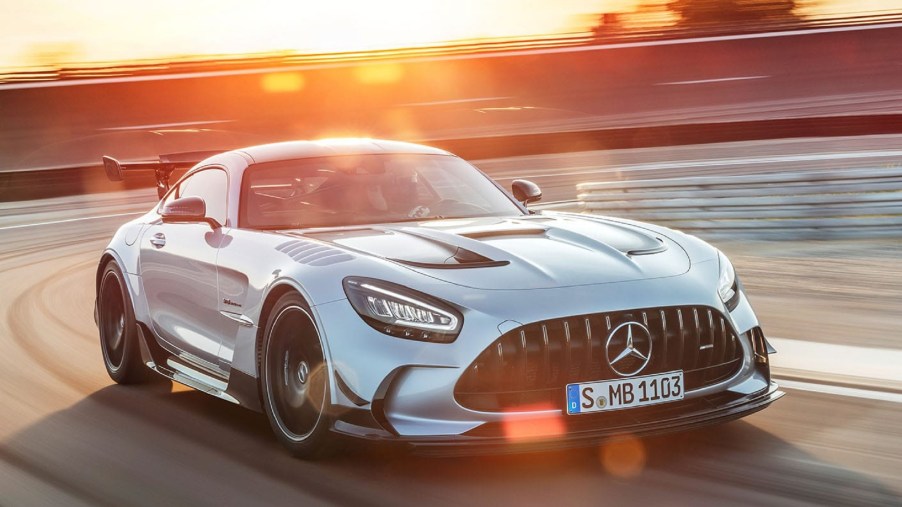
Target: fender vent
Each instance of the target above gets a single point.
(313, 254)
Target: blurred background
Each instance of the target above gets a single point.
(772, 128)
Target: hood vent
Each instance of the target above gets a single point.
(461, 259)
(494, 233)
(661, 247)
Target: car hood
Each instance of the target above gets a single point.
(539, 251)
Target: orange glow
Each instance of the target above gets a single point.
(337, 134)
(623, 458)
(520, 430)
(49, 32)
(54, 32)
(282, 82)
(402, 124)
(179, 388)
(381, 73)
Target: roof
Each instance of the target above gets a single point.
(337, 146)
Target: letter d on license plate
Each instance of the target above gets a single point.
(624, 393)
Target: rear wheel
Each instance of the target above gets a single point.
(118, 331)
(294, 379)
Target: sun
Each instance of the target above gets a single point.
(375, 25)
(112, 30)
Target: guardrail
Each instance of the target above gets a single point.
(803, 205)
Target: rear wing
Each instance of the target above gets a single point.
(161, 169)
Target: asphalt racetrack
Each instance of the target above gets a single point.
(69, 436)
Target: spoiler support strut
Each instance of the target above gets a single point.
(162, 175)
(162, 169)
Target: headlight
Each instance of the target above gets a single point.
(402, 312)
(728, 283)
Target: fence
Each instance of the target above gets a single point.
(807, 204)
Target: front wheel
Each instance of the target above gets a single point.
(294, 379)
(118, 331)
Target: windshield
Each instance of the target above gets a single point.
(367, 189)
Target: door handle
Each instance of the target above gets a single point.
(158, 240)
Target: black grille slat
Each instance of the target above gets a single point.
(587, 360)
(523, 355)
(531, 364)
(568, 353)
(532, 350)
(664, 346)
(682, 343)
(547, 374)
(706, 350)
(698, 342)
(501, 365)
(597, 337)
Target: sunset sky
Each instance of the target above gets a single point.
(53, 31)
(93, 30)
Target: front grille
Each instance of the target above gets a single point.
(530, 366)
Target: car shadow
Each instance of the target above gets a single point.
(150, 445)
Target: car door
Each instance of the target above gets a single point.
(178, 269)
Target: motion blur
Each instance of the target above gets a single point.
(771, 129)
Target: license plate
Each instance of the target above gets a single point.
(624, 393)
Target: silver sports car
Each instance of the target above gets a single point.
(391, 291)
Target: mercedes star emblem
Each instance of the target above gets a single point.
(628, 348)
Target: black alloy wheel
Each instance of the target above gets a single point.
(294, 379)
(118, 331)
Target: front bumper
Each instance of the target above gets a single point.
(391, 389)
(582, 430)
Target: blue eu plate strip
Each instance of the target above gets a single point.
(573, 399)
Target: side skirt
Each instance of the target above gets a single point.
(170, 366)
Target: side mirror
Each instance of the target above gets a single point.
(526, 191)
(187, 210)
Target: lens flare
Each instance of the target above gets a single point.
(520, 430)
(624, 458)
(379, 74)
(282, 82)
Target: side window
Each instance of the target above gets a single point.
(211, 185)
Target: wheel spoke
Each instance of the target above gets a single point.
(112, 317)
(295, 379)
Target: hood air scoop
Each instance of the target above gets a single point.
(418, 251)
(463, 258)
(498, 232)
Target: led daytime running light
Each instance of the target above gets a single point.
(404, 310)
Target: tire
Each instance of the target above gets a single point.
(294, 379)
(118, 330)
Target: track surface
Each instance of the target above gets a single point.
(68, 436)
